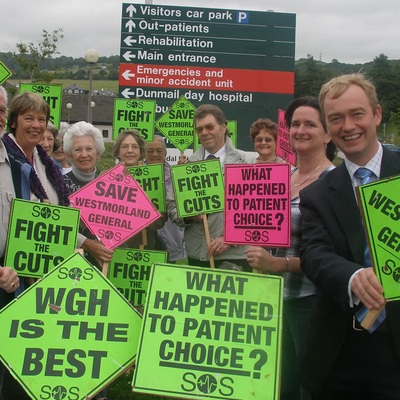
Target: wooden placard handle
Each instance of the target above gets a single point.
(371, 317)
(105, 268)
(208, 240)
(144, 238)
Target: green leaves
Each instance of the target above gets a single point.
(31, 55)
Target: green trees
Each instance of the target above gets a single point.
(30, 56)
(310, 78)
(386, 79)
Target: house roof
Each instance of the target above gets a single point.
(102, 112)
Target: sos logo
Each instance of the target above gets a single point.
(134, 104)
(110, 235)
(46, 213)
(40, 89)
(137, 256)
(137, 172)
(207, 384)
(120, 178)
(59, 393)
(196, 168)
(256, 236)
(75, 273)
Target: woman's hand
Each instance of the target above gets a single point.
(8, 279)
(217, 246)
(258, 257)
(97, 249)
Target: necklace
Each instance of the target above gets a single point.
(309, 176)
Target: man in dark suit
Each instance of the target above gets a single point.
(340, 360)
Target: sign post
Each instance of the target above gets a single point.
(40, 236)
(257, 204)
(210, 333)
(52, 94)
(70, 334)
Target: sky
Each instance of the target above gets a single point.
(351, 31)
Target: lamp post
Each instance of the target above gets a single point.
(91, 56)
(69, 106)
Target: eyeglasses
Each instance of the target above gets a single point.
(152, 151)
(88, 150)
(130, 146)
(208, 127)
(259, 140)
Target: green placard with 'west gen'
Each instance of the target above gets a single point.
(52, 94)
(129, 272)
(70, 334)
(40, 236)
(212, 334)
(134, 114)
(177, 123)
(198, 187)
(151, 180)
(380, 207)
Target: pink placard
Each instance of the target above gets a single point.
(283, 148)
(114, 207)
(257, 204)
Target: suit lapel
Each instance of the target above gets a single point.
(344, 205)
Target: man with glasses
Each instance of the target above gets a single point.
(210, 126)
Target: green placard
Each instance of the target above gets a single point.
(51, 93)
(231, 126)
(210, 334)
(5, 72)
(134, 114)
(40, 236)
(70, 334)
(129, 272)
(151, 180)
(198, 187)
(380, 207)
(177, 123)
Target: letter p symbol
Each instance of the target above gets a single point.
(243, 17)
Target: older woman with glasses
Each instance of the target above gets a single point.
(263, 132)
(129, 148)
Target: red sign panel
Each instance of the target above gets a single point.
(170, 76)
